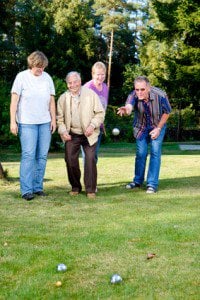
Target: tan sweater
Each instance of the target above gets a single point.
(91, 112)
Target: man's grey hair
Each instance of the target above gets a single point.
(73, 73)
(141, 78)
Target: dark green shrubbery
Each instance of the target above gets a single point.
(182, 124)
(6, 138)
(124, 124)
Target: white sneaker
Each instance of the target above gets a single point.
(150, 190)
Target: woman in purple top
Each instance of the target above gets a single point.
(100, 88)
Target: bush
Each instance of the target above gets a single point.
(6, 138)
(124, 124)
(182, 124)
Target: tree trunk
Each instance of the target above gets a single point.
(1, 171)
(178, 135)
(110, 59)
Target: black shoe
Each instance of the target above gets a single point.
(40, 193)
(28, 196)
(132, 185)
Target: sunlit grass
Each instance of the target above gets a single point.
(111, 234)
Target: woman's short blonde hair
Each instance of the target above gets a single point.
(99, 65)
(37, 59)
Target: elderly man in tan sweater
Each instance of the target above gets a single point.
(79, 116)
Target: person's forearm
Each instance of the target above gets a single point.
(163, 121)
(13, 107)
(53, 109)
(129, 109)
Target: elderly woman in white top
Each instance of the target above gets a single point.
(33, 117)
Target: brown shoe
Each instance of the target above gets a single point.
(91, 195)
(73, 193)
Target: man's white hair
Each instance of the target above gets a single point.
(73, 73)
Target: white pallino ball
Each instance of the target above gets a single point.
(115, 131)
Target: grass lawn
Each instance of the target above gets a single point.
(97, 238)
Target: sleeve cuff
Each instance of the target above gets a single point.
(92, 125)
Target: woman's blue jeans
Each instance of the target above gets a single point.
(154, 161)
(35, 141)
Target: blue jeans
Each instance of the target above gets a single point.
(35, 141)
(154, 162)
(97, 147)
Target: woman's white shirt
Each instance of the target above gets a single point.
(34, 97)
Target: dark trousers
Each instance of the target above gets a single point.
(72, 150)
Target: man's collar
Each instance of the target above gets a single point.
(152, 95)
(75, 96)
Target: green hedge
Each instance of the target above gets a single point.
(184, 119)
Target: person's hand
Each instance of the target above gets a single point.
(122, 111)
(53, 127)
(89, 131)
(155, 133)
(14, 128)
(65, 137)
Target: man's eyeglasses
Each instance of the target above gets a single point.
(137, 90)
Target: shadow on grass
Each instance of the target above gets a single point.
(164, 184)
(118, 187)
(16, 179)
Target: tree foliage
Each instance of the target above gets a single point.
(170, 50)
(169, 54)
(114, 20)
(157, 38)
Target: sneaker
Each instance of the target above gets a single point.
(91, 195)
(28, 196)
(132, 185)
(40, 193)
(150, 190)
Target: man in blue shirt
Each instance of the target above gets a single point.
(151, 112)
